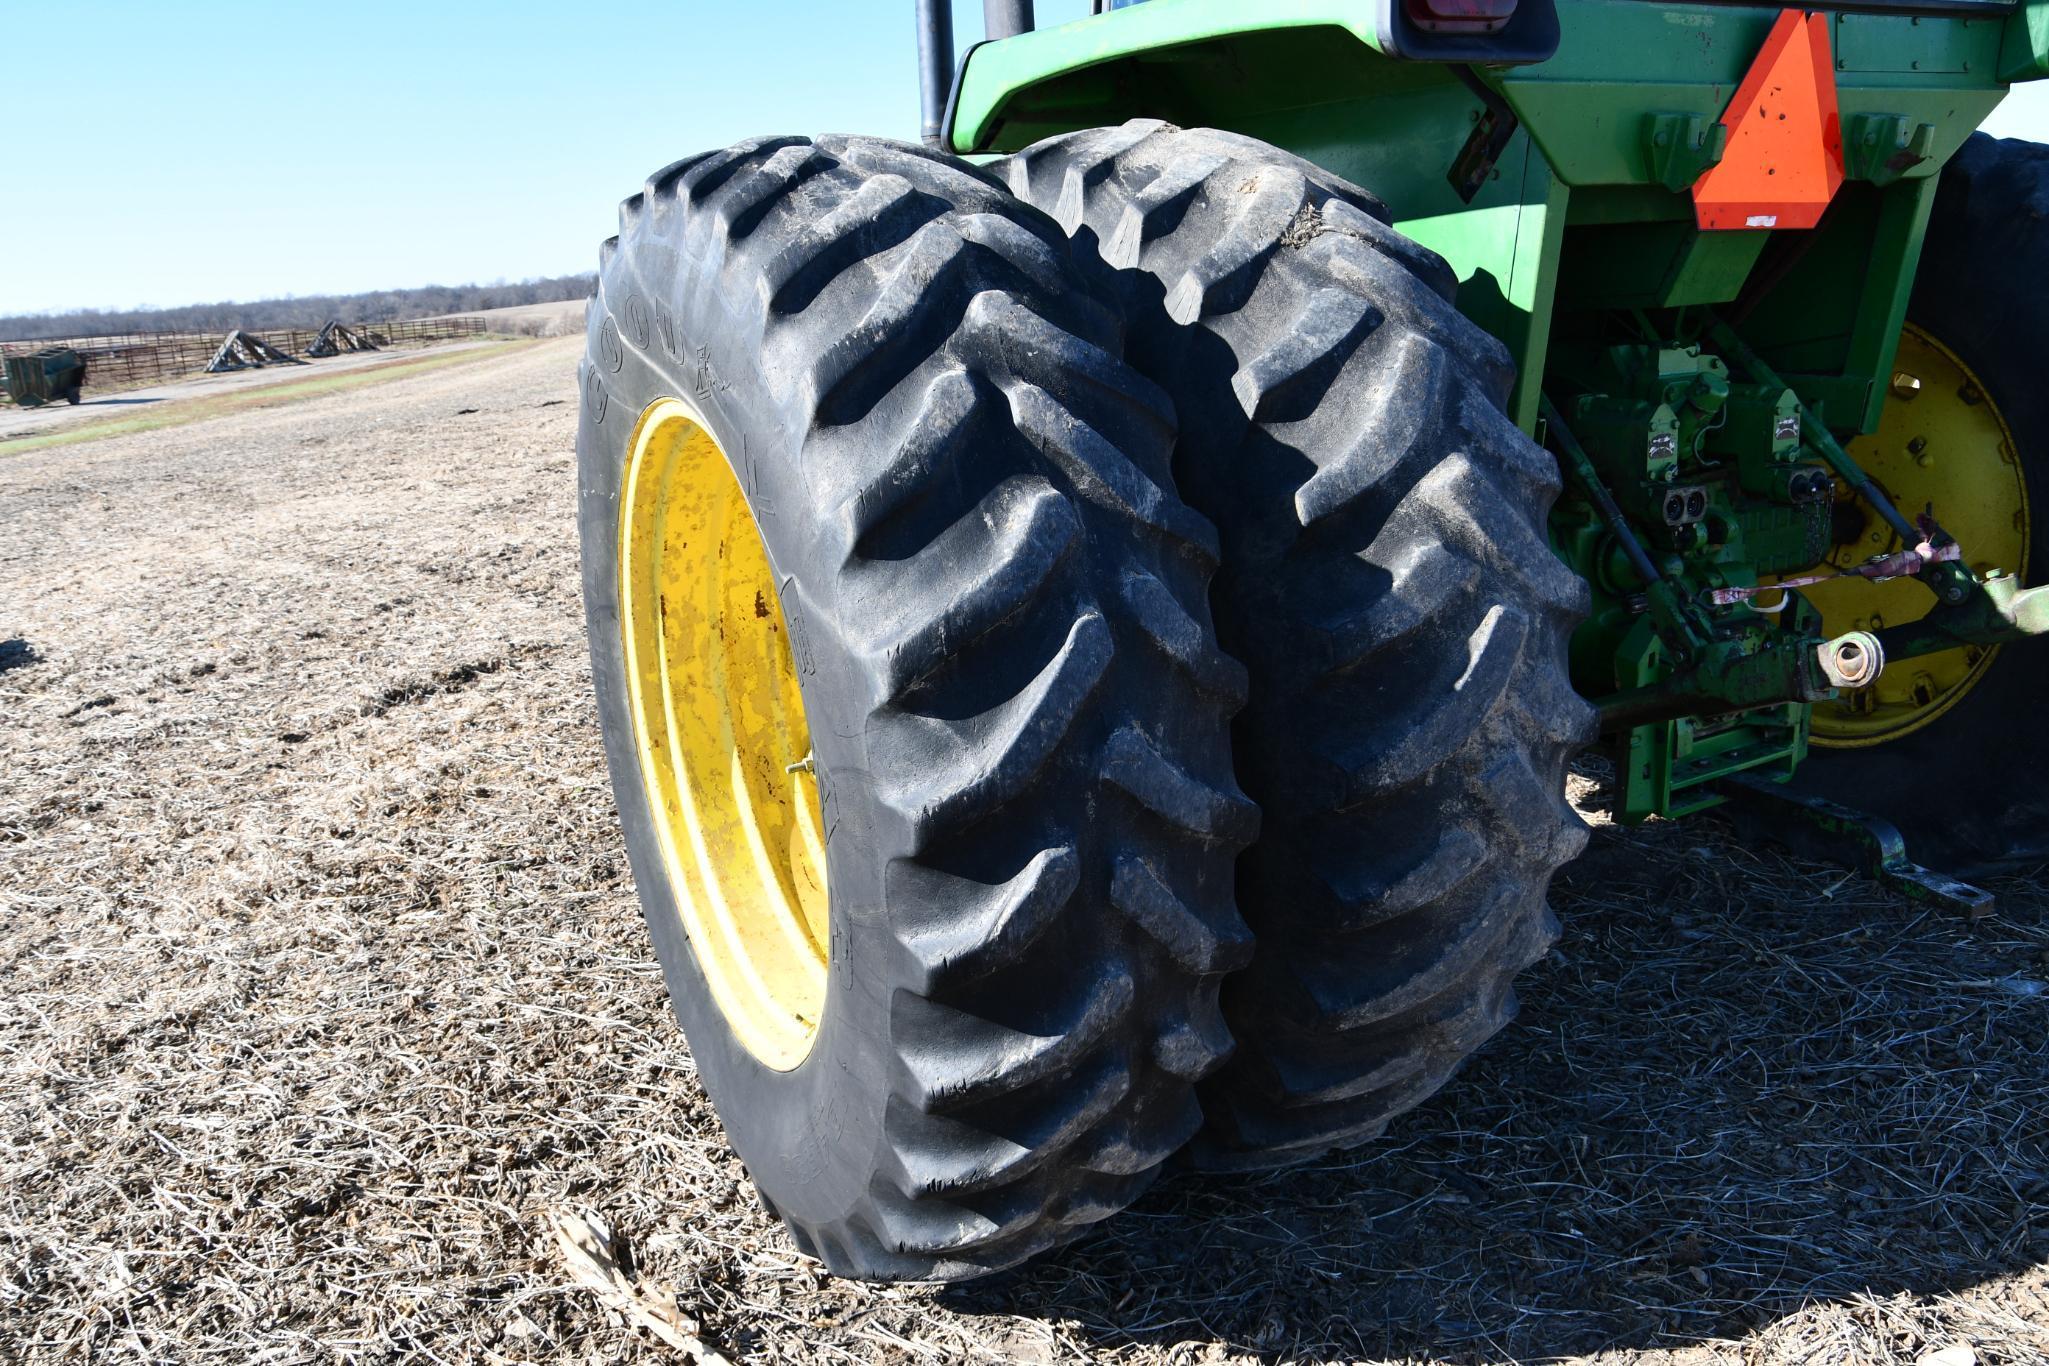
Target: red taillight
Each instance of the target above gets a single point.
(1459, 16)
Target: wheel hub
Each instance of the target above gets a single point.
(725, 749)
(1940, 442)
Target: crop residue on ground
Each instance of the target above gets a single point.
(327, 994)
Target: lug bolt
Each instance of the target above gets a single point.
(1906, 386)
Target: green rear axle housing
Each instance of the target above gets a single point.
(1698, 385)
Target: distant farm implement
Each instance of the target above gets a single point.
(244, 351)
(335, 338)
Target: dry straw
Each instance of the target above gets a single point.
(325, 991)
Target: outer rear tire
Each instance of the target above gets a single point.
(1387, 582)
(1019, 713)
(1983, 291)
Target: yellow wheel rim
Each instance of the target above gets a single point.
(1940, 441)
(725, 751)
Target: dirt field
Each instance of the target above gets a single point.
(325, 985)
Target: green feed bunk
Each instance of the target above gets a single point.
(44, 376)
(1726, 367)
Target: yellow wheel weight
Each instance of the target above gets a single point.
(1942, 442)
(725, 750)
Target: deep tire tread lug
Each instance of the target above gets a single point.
(1017, 582)
(1388, 587)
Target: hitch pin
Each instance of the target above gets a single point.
(1899, 565)
(1854, 660)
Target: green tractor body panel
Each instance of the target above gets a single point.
(2024, 50)
(1559, 186)
(1602, 144)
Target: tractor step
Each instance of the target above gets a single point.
(1816, 827)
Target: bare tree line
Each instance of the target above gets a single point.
(304, 311)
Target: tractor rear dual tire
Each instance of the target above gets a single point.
(1387, 582)
(1019, 706)
(1019, 714)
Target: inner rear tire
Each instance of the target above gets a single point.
(1983, 292)
(1386, 581)
(996, 607)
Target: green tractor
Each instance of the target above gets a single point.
(1091, 614)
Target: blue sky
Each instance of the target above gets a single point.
(233, 150)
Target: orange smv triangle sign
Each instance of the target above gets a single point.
(1784, 160)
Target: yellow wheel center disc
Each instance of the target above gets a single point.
(1942, 443)
(725, 751)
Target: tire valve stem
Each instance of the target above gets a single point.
(807, 764)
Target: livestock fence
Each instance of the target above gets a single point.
(125, 360)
